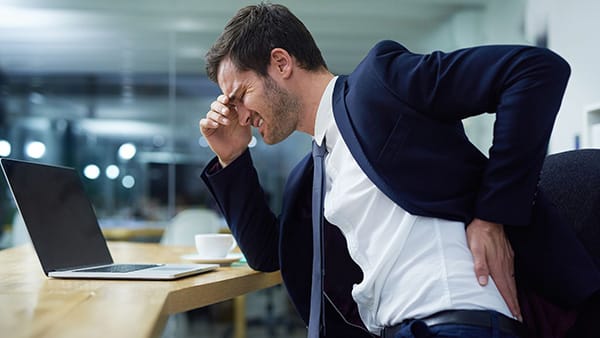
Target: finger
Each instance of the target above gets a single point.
(513, 303)
(207, 124)
(480, 265)
(219, 107)
(508, 290)
(224, 99)
(503, 273)
(218, 118)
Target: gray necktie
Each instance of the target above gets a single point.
(316, 323)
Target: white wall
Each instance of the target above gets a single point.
(574, 33)
(500, 22)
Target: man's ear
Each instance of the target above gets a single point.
(281, 63)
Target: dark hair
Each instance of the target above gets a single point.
(254, 31)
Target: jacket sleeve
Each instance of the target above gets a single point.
(238, 193)
(523, 85)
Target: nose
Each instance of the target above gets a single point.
(244, 115)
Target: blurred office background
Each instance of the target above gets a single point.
(116, 88)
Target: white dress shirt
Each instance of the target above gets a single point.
(413, 266)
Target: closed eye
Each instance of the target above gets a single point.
(235, 98)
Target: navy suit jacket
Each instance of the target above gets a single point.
(400, 115)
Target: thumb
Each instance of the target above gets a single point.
(481, 268)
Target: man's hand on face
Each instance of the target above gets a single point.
(227, 138)
(493, 256)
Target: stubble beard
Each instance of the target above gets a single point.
(285, 110)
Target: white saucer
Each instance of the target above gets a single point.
(196, 258)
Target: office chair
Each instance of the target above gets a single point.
(189, 222)
(571, 180)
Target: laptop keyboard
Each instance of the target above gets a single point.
(119, 268)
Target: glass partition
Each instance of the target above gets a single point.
(124, 112)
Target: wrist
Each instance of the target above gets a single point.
(224, 162)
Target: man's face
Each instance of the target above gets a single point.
(260, 102)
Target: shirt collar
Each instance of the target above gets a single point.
(324, 116)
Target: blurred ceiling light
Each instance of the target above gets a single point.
(202, 142)
(189, 25)
(35, 149)
(113, 127)
(252, 143)
(15, 17)
(112, 171)
(127, 151)
(91, 171)
(128, 181)
(5, 148)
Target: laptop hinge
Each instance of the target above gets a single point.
(79, 267)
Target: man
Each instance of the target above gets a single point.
(402, 179)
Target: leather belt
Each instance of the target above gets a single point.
(480, 318)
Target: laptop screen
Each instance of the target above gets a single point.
(58, 215)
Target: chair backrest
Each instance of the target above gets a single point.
(189, 222)
(571, 180)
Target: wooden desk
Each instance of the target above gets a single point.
(127, 230)
(129, 234)
(36, 306)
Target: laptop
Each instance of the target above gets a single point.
(64, 229)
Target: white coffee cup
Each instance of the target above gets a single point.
(214, 245)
